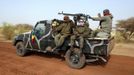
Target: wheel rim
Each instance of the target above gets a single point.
(74, 58)
(20, 49)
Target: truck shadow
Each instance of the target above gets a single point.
(97, 63)
(46, 55)
(59, 57)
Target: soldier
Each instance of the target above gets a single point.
(65, 30)
(55, 24)
(81, 31)
(105, 24)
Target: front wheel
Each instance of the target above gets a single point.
(75, 59)
(21, 51)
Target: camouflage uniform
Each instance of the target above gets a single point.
(65, 30)
(105, 26)
(55, 24)
(80, 32)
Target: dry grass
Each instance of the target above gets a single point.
(1, 36)
(2, 39)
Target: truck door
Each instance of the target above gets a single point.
(37, 34)
(46, 39)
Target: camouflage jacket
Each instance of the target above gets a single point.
(105, 22)
(65, 27)
(82, 30)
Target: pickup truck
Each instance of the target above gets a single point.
(41, 38)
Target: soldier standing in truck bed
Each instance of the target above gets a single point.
(105, 25)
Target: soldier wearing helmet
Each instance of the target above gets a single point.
(65, 30)
(105, 24)
(55, 23)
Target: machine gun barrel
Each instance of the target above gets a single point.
(78, 14)
(75, 15)
(68, 14)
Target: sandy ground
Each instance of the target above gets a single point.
(125, 49)
(48, 64)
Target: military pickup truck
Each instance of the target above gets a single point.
(41, 39)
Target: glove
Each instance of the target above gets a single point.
(99, 15)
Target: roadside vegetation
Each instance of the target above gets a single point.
(9, 30)
(125, 30)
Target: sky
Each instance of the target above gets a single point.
(31, 11)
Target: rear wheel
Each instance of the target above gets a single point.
(21, 51)
(74, 58)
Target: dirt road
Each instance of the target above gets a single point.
(47, 64)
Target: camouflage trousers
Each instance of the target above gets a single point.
(100, 33)
(74, 37)
(59, 39)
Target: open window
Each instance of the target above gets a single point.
(39, 30)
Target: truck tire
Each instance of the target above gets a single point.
(75, 59)
(20, 49)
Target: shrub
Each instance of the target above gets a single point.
(128, 26)
(21, 28)
(8, 31)
(119, 37)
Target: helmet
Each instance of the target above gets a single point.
(55, 22)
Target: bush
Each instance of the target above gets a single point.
(128, 26)
(21, 28)
(8, 31)
(119, 37)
